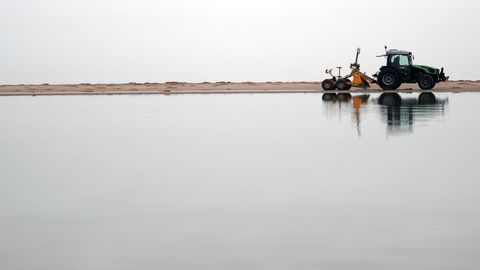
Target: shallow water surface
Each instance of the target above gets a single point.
(248, 181)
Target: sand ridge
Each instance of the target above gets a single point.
(210, 87)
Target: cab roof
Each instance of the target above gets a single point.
(395, 52)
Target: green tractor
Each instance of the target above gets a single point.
(400, 69)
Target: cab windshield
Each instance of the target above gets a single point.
(400, 60)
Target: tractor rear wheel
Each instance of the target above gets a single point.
(342, 84)
(328, 85)
(426, 82)
(389, 79)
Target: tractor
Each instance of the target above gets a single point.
(400, 69)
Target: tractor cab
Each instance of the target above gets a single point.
(399, 59)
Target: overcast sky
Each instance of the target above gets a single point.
(107, 41)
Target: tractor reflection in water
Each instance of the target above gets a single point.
(399, 113)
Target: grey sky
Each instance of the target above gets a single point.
(65, 41)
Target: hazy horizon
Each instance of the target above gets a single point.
(107, 41)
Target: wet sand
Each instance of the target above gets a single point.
(209, 88)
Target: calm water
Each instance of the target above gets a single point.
(261, 181)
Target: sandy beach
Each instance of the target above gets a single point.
(209, 88)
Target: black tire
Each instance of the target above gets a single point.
(342, 84)
(389, 79)
(426, 82)
(349, 84)
(328, 85)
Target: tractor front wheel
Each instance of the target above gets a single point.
(389, 79)
(328, 85)
(426, 82)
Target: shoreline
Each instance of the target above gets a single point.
(177, 88)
